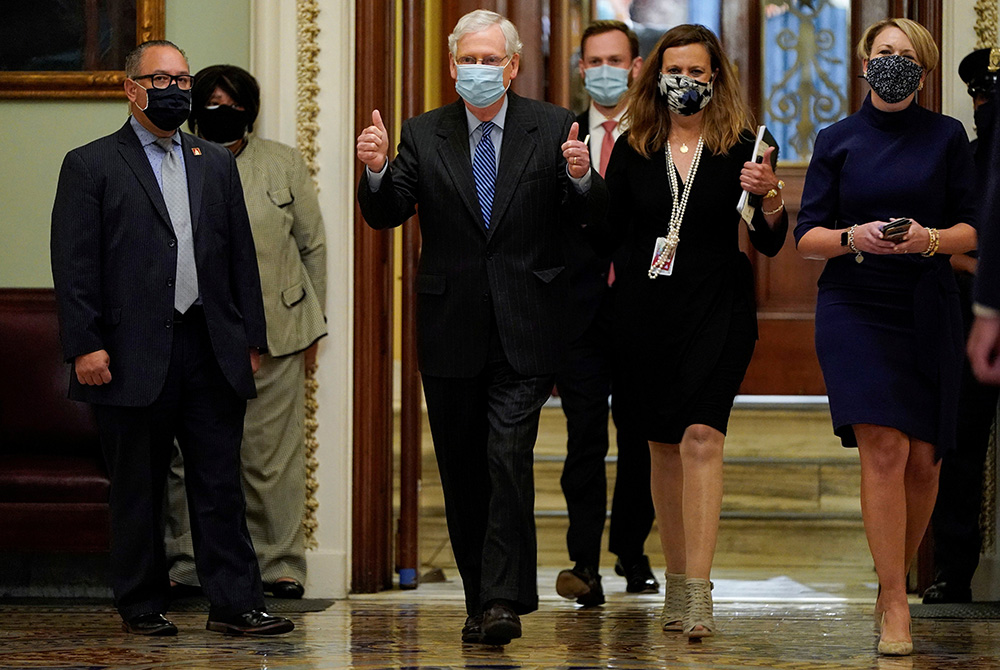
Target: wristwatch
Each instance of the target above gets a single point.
(774, 192)
(843, 239)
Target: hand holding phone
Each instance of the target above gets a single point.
(895, 230)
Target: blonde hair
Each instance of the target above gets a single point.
(725, 118)
(923, 43)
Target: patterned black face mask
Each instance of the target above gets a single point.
(893, 78)
(685, 95)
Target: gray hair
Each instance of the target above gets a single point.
(134, 57)
(478, 21)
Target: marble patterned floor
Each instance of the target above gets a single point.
(789, 622)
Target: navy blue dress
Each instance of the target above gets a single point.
(889, 329)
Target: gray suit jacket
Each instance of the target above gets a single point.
(469, 275)
(114, 257)
(291, 244)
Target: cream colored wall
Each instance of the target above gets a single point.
(959, 40)
(36, 134)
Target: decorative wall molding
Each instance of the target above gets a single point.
(306, 131)
(307, 71)
(986, 23)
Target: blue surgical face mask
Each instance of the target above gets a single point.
(606, 84)
(480, 85)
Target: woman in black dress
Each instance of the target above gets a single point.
(888, 321)
(686, 317)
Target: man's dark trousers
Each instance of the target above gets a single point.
(199, 407)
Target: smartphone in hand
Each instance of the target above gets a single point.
(895, 230)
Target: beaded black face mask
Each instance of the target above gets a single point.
(894, 77)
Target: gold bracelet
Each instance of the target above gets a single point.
(933, 243)
(777, 209)
(850, 243)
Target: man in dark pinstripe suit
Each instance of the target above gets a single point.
(491, 291)
(161, 317)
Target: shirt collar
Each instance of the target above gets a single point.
(145, 137)
(595, 118)
(497, 120)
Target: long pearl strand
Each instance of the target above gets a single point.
(678, 207)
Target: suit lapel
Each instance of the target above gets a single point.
(454, 151)
(194, 164)
(518, 145)
(131, 150)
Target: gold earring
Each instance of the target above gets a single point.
(921, 87)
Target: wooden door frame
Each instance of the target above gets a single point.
(371, 531)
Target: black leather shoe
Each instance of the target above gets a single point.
(149, 624)
(500, 624)
(472, 631)
(582, 584)
(254, 622)
(638, 576)
(285, 589)
(943, 592)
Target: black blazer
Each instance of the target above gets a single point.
(114, 258)
(468, 275)
(987, 283)
(588, 272)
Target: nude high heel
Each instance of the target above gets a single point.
(672, 616)
(896, 647)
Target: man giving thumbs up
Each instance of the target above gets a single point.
(497, 179)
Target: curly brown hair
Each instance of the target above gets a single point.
(726, 117)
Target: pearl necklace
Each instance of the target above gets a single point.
(678, 206)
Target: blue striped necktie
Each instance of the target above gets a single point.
(484, 169)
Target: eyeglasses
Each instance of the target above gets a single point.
(184, 81)
(495, 61)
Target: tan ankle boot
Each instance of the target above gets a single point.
(672, 616)
(698, 612)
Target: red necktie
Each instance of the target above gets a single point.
(607, 144)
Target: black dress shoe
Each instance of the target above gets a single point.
(149, 624)
(472, 631)
(582, 584)
(284, 589)
(500, 623)
(638, 576)
(943, 592)
(254, 622)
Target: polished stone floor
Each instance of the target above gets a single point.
(814, 620)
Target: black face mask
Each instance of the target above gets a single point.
(167, 108)
(893, 78)
(222, 124)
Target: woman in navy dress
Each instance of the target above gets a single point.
(888, 322)
(686, 323)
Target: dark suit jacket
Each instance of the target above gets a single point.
(468, 275)
(588, 272)
(987, 285)
(114, 258)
